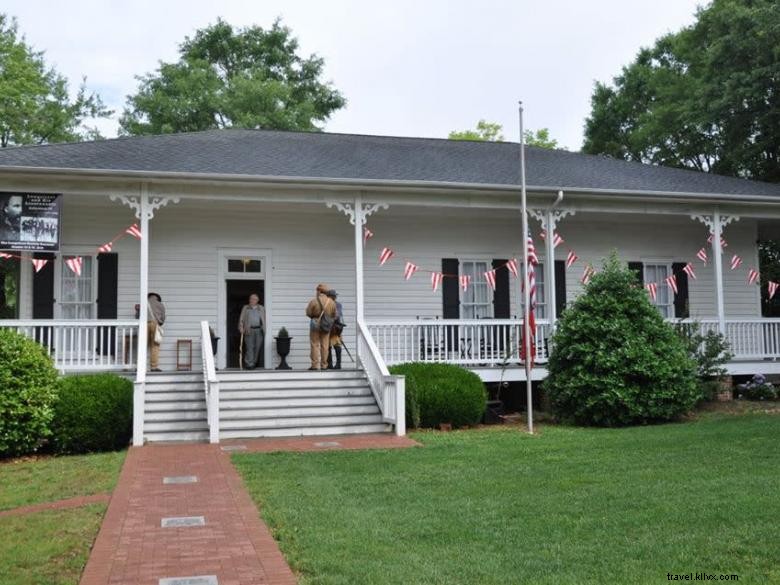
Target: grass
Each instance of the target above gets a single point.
(44, 479)
(570, 505)
(47, 548)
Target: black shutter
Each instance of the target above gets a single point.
(639, 269)
(43, 288)
(681, 298)
(501, 308)
(560, 286)
(449, 289)
(107, 277)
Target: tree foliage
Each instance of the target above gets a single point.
(493, 132)
(615, 361)
(706, 97)
(233, 77)
(35, 103)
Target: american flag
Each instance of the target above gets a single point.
(702, 255)
(38, 264)
(752, 276)
(5, 255)
(105, 248)
(532, 257)
(409, 270)
(367, 234)
(652, 288)
(512, 266)
(571, 258)
(672, 282)
(688, 269)
(772, 288)
(735, 262)
(134, 231)
(587, 274)
(465, 280)
(75, 264)
(490, 277)
(436, 278)
(385, 255)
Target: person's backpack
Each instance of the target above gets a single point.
(325, 321)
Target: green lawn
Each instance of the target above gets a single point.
(45, 479)
(47, 548)
(51, 548)
(569, 505)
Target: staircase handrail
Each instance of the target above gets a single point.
(210, 382)
(389, 390)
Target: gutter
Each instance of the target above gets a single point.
(358, 184)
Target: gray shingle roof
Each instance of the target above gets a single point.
(382, 158)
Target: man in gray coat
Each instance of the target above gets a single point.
(251, 324)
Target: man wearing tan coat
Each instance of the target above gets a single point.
(319, 340)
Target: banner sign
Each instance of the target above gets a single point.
(30, 221)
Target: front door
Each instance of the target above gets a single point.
(236, 296)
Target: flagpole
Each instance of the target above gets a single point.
(526, 288)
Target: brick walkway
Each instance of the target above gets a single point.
(234, 544)
(66, 504)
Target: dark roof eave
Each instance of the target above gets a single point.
(357, 184)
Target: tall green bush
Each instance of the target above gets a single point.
(28, 383)
(94, 413)
(615, 361)
(444, 393)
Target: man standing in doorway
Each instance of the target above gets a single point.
(322, 312)
(251, 324)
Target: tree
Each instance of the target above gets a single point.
(706, 97)
(540, 139)
(485, 132)
(615, 361)
(35, 105)
(492, 132)
(226, 77)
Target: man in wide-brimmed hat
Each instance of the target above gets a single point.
(335, 332)
(155, 317)
(321, 311)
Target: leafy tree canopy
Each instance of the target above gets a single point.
(493, 132)
(35, 104)
(706, 97)
(233, 77)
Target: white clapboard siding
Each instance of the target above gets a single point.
(313, 243)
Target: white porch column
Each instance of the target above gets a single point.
(359, 222)
(144, 206)
(716, 222)
(549, 220)
(717, 258)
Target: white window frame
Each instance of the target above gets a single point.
(461, 295)
(666, 263)
(60, 270)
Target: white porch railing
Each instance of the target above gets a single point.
(749, 339)
(389, 391)
(100, 344)
(467, 342)
(210, 382)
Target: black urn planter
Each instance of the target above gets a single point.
(283, 349)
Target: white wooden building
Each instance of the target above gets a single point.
(224, 213)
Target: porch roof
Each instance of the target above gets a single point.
(324, 156)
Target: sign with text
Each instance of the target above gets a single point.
(30, 221)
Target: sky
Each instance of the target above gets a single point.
(407, 68)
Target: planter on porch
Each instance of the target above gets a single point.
(283, 348)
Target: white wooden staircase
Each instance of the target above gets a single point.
(261, 404)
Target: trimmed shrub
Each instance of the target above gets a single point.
(28, 385)
(94, 413)
(615, 361)
(443, 393)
